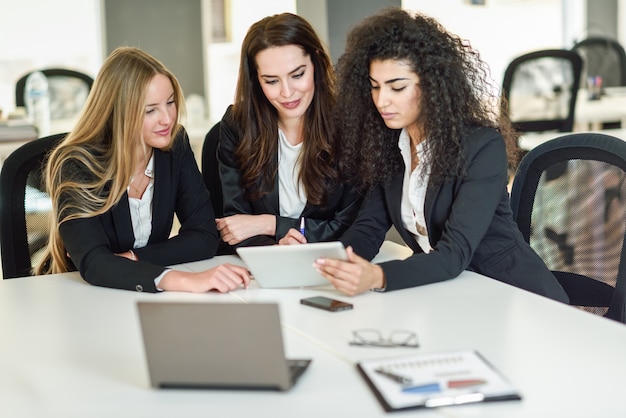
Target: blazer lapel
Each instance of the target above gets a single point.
(161, 190)
(394, 198)
(429, 202)
(394, 203)
(122, 223)
(270, 200)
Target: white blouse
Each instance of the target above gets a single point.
(141, 215)
(414, 191)
(141, 210)
(291, 195)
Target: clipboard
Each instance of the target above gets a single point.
(432, 380)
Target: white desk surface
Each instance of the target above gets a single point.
(529, 141)
(590, 114)
(196, 132)
(69, 349)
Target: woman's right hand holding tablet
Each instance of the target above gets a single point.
(354, 276)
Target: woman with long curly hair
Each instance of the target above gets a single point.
(277, 143)
(119, 177)
(420, 140)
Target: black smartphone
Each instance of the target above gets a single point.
(325, 303)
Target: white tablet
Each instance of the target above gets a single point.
(275, 266)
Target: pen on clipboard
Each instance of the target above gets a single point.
(404, 380)
(302, 229)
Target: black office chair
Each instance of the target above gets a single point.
(68, 91)
(569, 201)
(24, 207)
(604, 57)
(539, 90)
(211, 174)
(211, 169)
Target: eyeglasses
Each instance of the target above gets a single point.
(369, 337)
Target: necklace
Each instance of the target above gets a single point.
(140, 187)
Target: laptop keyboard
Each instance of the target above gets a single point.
(297, 367)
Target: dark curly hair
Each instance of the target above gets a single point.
(455, 90)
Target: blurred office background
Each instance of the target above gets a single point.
(199, 40)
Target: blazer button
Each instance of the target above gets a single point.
(139, 288)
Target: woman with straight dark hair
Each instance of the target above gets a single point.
(277, 145)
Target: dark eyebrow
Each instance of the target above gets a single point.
(393, 80)
(290, 72)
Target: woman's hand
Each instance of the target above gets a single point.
(236, 228)
(130, 254)
(293, 236)
(223, 278)
(351, 277)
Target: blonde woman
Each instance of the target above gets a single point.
(118, 179)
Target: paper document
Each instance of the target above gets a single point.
(435, 379)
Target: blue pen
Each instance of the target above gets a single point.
(425, 388)
(302, 226)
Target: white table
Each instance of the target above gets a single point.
(71, 349)
(529, 141)
(56, 126)
(591, 114)
(196, 131)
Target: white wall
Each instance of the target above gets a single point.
(500, 30)
(44, 33)
(223, 58)
(621, 25)
(69, 33)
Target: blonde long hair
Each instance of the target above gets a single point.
(89, 171)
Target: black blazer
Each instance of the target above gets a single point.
(178, 189)
(326, 223)
(470, 226)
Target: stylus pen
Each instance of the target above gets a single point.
(302, 230)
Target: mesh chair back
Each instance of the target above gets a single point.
(68, 91)
(604, 57)
(24, 207)
(569, 201)
(539, 90)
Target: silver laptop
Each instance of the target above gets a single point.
(289, 265)
(216, 345)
